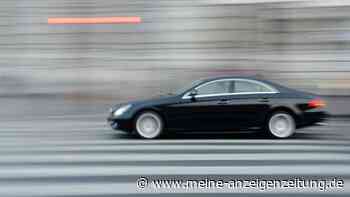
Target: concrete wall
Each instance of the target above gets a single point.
(304, 45)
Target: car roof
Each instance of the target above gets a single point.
(255, 78)
(232, 77)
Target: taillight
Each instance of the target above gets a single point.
(316, 103)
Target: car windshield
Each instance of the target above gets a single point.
(186, 87)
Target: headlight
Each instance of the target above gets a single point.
(121, 110)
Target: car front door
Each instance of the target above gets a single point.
(204, 111)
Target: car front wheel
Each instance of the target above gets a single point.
(281, 125)
(149, 125)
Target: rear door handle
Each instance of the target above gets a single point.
(263, 100)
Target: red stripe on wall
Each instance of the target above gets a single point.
(96, 20)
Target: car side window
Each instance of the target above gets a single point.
(246, 86)
(218, 87)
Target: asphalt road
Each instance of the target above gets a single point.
(81, 156)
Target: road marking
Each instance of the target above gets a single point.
(189, 147)
(84, 171)
(69, 157)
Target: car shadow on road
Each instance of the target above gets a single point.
(215, 136)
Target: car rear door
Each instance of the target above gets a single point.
(246, 110)
(249, 104)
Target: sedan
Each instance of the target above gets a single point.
(221, 104)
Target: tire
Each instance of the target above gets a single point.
(149, 125)
(281, 125)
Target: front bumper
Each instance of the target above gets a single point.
(120, 124)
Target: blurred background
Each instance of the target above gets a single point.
(57, 82)
(49, 69)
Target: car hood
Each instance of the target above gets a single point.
(153, 100)
(160, 99)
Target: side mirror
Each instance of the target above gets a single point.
(193, 93)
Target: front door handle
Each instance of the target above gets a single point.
(263, 100)
(223, 102)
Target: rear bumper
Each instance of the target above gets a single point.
(120, 124)
(313, 117)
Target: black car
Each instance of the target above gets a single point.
(222, 104)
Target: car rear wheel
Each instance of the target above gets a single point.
(281, 125)
(149, 125)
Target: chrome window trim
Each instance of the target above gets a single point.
(273, 90)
